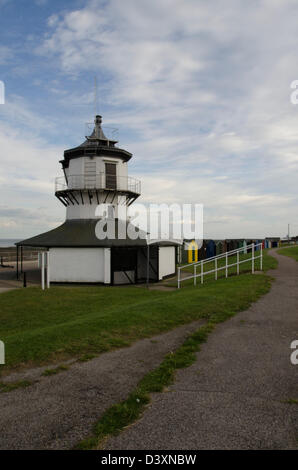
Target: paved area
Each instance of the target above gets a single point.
(8, 275)
(58, 411)
(233, 396)
(6, 289)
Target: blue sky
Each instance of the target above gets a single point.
(200, 95)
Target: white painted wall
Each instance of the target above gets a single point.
(77, 180)
(77, 165)
(166, 261)
(79, 265)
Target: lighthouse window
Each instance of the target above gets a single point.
(111, 176)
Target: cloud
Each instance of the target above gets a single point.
(28, 165)
(4, 2)
(23, 222)
(201, 96)
(6, 54)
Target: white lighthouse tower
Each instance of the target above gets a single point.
(95, 173)
(96, 176)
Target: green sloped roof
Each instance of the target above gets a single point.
(81, 233)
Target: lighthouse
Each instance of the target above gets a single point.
(95, 173)
(95, 186)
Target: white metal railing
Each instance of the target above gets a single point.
(98, 181)
(253, 248)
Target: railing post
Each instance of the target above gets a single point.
(21, 259)
(237, 262)
(179, 274)
(48, 269)
(195, 275)
(226, 264)
(261, 259)
(216, 269)
(17, 262)
(253, 258)
(202, 272)
(42, 270)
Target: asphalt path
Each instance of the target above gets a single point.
(235, 396)
(58, 411)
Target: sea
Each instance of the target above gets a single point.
(8, 242)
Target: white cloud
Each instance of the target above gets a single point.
(28, 165)
(6, 54)
(200, 94)
(206, 88)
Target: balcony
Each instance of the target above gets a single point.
(100, 182)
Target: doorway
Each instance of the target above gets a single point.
(124, 265)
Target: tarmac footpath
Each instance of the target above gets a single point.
(236, 395)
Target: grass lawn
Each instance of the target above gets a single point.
(291, 251)
(39, 327)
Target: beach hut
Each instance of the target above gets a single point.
(210, 249)
(202, 251)
(192, 251)
(240, 243)
(272, 242)
(219, 247)
(231, 244)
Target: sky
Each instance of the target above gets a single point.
(199, 92)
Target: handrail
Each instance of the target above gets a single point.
(221, 255)
(98, 181)
(225, 255)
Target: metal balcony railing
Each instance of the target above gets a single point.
(98, 181)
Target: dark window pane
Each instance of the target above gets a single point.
(111, 177)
